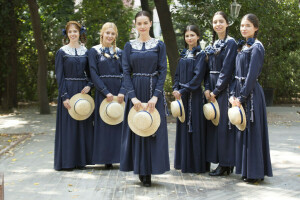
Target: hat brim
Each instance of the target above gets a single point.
(73, 99)
(105, 117)
(182, 117)
(147, 132)
(217, 119)
(242, 126)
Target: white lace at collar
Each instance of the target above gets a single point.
(151, 43)
(245, 47)
(71, 51)
(189, 54)
(99, 48)
(219, 41)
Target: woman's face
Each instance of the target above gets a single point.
(247, 29)
(73, 33)
(143, 25)
(219, 24)
(191, 38)
(109, 36)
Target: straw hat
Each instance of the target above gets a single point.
(177, 110)
(82, 106)
(112, 112)
(142, 122)
(237, 117)
(212, 112)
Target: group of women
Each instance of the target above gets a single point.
(137, 74)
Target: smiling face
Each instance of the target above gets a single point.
(143, 24)
(247, 29)
(219, 24)
(73, 33)
(109, 36)
(191, 39)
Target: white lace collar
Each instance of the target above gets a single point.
(71, 51)
(99, 48)
(151, 43)
(228, 38)
(189, 54)
(245, 47)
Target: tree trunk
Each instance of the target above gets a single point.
(10, 80)
(42, 57)
(166, 24)
(145, 6)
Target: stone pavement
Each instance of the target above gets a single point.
(29, 173)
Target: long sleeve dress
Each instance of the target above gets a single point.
(106, 74)
(220, 140)
(252, 145)
(73, 139)
(145, 69)
(190, 135)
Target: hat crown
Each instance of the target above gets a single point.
(82, 107)
(235, 116)
(209, 111)
(114, 110)
(142, 120)
(176, 108)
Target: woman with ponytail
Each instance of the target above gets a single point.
(252, 145)
(190, 134)
(107, 76)
(220, 139)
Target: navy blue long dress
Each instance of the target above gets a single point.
(106, 74)
(190, 135)
(145, 69)
(73, 139)
(252, 145)
(220, 140)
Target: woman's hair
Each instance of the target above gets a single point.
(254, 20)
(106, 26)
(143, 13)
(226, 19)
(193, 28)
(82, 37)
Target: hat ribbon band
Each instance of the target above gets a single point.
(106, 109)
(241, 115)
(149, 115)
(180, 107)
(75, 105)
(214, 110)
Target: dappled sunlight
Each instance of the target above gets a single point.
(12, 123)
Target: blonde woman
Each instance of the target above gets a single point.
(106, 73)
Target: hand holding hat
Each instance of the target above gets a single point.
(112, 112)
(237, 117)
(177, 109)
(82, 106)
(211, 112)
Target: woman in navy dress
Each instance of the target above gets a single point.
(190, 135)
(252, 145)
(73, 139)
(220, 140)
(106, 73)
(145, 67)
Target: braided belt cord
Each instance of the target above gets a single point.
(190, 113)
(111, 76)
(76, 79)
(228, 106)
(214, 72)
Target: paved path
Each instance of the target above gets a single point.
(29, 173)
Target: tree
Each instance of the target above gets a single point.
(166, 24)
(42, 57)
(145, 6)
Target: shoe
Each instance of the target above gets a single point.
(231, 169)
(207, 167)
(220, 171)
(251, 180)
(147, 181)
(80, 167)
(108, 166)
(141, 177)
(66, 169)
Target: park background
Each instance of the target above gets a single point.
(31, 34)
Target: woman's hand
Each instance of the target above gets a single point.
(207, 95)
(237, 102)
(109, 97)
(120, 98)
(85, 90)
(136, 103)
(151, 104)
(212, 97)
(176, 94)
(67, 104)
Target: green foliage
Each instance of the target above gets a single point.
(278, 31)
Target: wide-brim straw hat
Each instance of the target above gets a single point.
(142, 122)
(211, 112)
(82, 106)
(237, 117)
(112, 112)
(177, 109)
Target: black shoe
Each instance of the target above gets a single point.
(80, 167)
(220, 171)
(207, 167)
(141, 177)
(66, 169)
(108, 166)
(147, 181)
(251, 180)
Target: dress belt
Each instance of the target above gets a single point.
(111, 76)
(190, 97)
(214, 72)
(76, 79)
